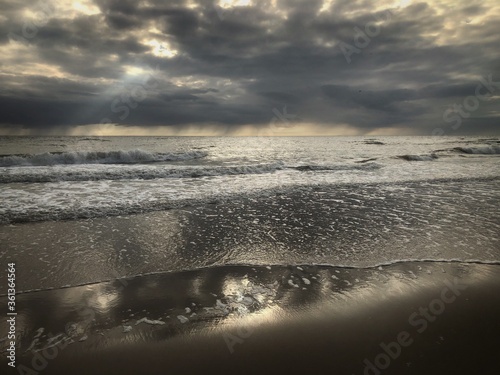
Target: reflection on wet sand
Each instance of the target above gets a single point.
(353, 225)
(283, 319)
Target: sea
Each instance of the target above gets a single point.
(76, 210)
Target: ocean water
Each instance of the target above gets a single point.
(51, 178)
(85, 209)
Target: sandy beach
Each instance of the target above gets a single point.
(236, 187)
(220, 265)
(411, 318)
(347, 225)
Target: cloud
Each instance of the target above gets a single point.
(192, 64)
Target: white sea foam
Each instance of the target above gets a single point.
(68, 185)
(483, 150)
(97, 157)
(129, 172)
(74, 199)
(149, 321)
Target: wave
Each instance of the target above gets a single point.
(418, 157)
(489, 140)
(97, 157)
(340, 167)
(366, 160)
(151, 172)
(101, 199)
(139, 172)
(94, 139)
(483, 150)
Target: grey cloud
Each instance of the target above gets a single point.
(235, 67)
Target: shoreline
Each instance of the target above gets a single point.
(250, 265)
(283, 319)
(336, 225)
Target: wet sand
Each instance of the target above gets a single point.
(431, 318)
(348, 225)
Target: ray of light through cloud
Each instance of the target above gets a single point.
(390, 67)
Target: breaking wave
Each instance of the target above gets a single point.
(139, 172)
(340, 167)
(418, 157)
(37, 174)
(483, 150)
(97, 157)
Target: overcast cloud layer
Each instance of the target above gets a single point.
(250, 67)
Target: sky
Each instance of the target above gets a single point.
(250, 67)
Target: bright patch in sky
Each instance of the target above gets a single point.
(134, 71)
(227, 66)
(234, 3)
(162, 49)
(85, 7)
(326, 5)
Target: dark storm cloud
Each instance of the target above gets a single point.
(238, 65)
